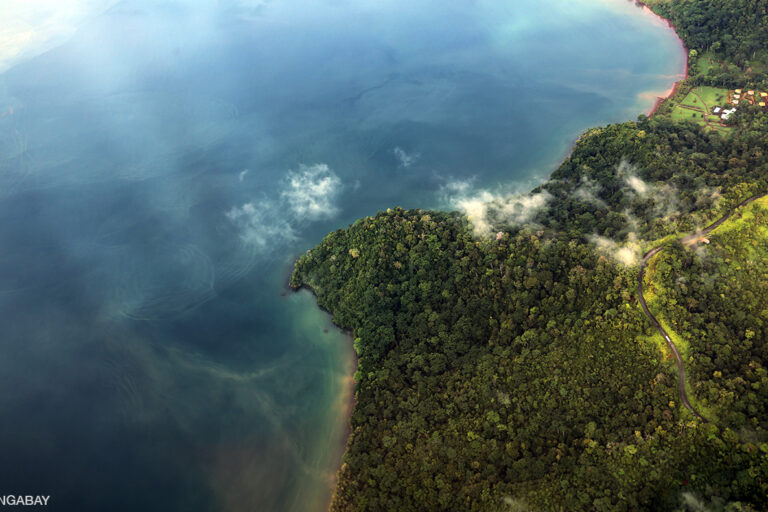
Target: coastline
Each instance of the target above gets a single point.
(349, 396)
(667, 23)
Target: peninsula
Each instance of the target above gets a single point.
(533, 359)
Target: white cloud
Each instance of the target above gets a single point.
(638, 185)
(627, 253)
(487, 210)
(588, 190)
(311, 191)
(693, 503)
(307, 194)
(261, 224)
(404, 159)
(664, 196)
(629, 173)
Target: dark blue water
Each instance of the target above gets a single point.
(160, 170)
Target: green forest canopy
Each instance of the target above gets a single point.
(518, 372)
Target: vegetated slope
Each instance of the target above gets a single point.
(655, 177)
(518, 372)
(521, 371)
(728, 40)
(734, 28)
(716, 297)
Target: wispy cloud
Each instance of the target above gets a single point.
(311, 192)
(488, 211)
(665, 197)
(307, 194)
(405, 159)
(261, 223)
(627, 253)
(588, 191)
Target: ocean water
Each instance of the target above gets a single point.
(162, 163)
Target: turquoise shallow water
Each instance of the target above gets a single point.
(160, 170)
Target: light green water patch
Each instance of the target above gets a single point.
(324, 439)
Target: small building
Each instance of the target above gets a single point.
(751, 93)
(737, 91)
(735, 102)
(762, 103)
(764, 94)
(717, 110)
(737, 96)
(727, 113)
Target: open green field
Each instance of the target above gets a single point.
(706, 62)
(697, 107)
(683, 114)
(711, 96)
(692, 100)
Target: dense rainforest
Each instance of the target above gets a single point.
(735, 29)
(512, 368)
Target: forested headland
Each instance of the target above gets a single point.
(506, 364)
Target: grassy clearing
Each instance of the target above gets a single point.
(710, 413)
(744, 237)
(683, 114)
(692, 100)
(744, 220)
(706, 62)
(697, 105)
(683, 346)
(723, 130)
(648, 245)
(661, 345)
(712, 96)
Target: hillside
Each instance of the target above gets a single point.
(506, 364)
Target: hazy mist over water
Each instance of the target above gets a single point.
(163, 162)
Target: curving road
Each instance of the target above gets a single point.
(670, 343)
(688, 239)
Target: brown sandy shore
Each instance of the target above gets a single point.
(348, 398)
(349, 395)
(671, 92)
